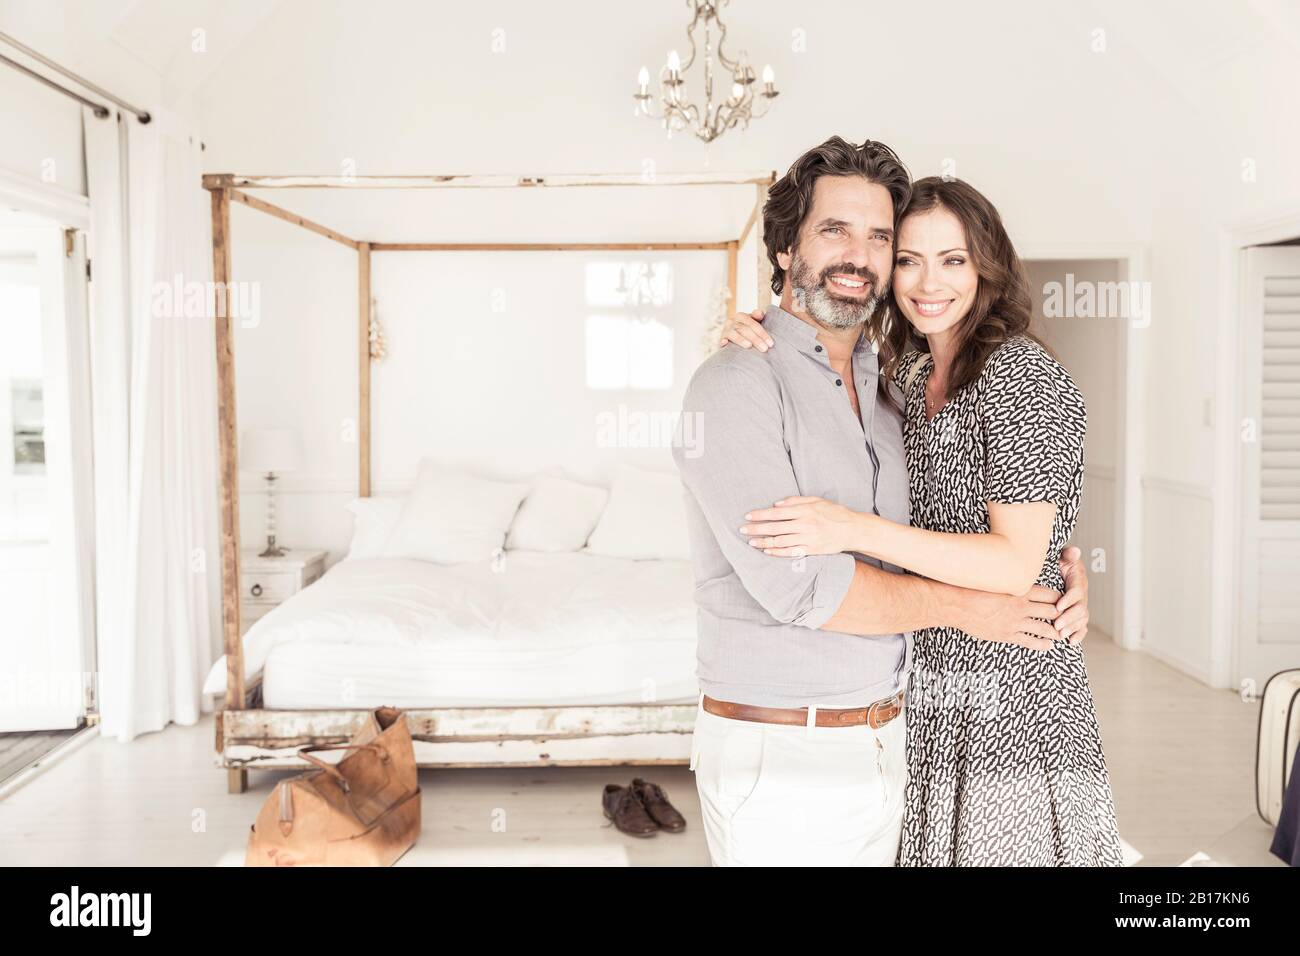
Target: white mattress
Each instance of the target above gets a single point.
(543, 629)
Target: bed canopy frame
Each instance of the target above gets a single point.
(248, 735)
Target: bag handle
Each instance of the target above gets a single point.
(332, 769)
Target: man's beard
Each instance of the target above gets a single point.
(815, 296)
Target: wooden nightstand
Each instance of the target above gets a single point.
(265, 582)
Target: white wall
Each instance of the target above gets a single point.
(296, 367)
(50, 147)
(489, 367)
(42, 128)
(511, 363)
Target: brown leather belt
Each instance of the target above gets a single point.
(874, 715)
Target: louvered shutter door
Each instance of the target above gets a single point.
(1279, 421)
(1269, 622)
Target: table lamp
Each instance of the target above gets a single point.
(270, 450)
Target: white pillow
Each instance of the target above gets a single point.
(455, 518)
(373, 525)
(645, 517)
(557, 515)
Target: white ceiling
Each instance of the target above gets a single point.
(1062, 140)
(1182, 41)
(103, 38)
(1188, 42)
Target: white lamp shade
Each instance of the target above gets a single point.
(270, 449)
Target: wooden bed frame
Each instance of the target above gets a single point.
(249, 735)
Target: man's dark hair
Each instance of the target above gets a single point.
(790, 197)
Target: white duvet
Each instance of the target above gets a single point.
(538, 628)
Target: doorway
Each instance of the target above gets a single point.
(46, 513)
(1086, 308)
(1268, 625)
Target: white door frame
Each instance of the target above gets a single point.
(1131, 358)
(1226, 564)
(71, 211)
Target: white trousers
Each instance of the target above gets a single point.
(774, 795)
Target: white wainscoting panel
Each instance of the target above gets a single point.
(1176, 603)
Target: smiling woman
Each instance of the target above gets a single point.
(934, 280)
(993, 431)
(952, 248)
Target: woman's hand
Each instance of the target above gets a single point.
(1072, 608)
(745, 331)
(800, 526)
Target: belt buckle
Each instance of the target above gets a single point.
(894, 701)
(871, 714)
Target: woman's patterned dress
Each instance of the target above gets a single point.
(1005, 761)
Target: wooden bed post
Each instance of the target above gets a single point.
(228, 445)
(363, 368)
(764, 264)
(733, 249)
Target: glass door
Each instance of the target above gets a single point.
(46, 598)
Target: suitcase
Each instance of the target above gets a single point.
(1279, 735)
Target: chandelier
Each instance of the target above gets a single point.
(640, 283)
(710, 120)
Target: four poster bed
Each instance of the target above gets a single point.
(251, 734)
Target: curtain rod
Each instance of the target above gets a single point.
(101, 111)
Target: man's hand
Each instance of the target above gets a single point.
(1012, 619)
(1072, 608)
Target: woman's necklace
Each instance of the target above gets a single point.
(932, 405)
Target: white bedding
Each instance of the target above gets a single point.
(543, 629)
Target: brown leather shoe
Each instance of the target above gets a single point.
(624, 807)
(656, 804)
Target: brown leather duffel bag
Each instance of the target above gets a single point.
(362, 811)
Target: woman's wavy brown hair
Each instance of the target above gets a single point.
(1002, 306)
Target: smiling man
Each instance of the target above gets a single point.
(799, 740)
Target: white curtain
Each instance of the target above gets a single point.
(157, 543)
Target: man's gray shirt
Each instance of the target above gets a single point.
(757, 427)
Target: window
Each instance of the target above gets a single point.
(28, 419)
(629, 338)
(22, 415)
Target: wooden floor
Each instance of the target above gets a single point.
(1181, 758)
